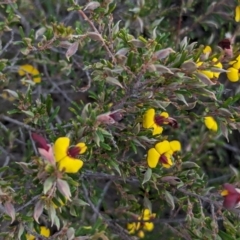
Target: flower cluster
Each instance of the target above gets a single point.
(214, 63)
(61, 153)
(43, 231)
(142, 225)
(231, 196)
(155, 121)
(162, 153)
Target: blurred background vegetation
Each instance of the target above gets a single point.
(80, 59)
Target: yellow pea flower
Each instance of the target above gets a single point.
(66, 155)
(28, 69)
(162, 152)
(155, 121)
(209, 73)
(211, 123)
(43, 231)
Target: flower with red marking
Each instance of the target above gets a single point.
(155, 121)
(226, 45)
(162, 153)
(231, 196)
(66, 156)
(61, 153)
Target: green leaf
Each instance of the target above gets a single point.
(115, 166)
(48, 184)
(147, 175)
(114, 81)
(79, 202)
(170, 200)
(54, 114)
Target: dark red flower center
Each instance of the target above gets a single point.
(225, 44)
(160, 120)
(73, 151)
(163, 159)
(40, 141)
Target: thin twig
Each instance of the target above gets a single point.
(84, 16)
(114, 226)
(10, 41)
(105, 189)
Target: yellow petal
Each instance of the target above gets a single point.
(157, 129)
(30, 237)
(207, 49)
(198, 64)
(169, 160)
(148, 226)
(211, 123)
(164, 114)
(141, 234)
(236, 64)
(60, 148)
(44, 231)
(175, 146)
(224, 193)
(237, 13)
(232, 74)
(131, 228)
(152, 158)
(146, 213)
(82, 146)
(148, 118)
(218, 64)
(70, 165)
(207, 73)
(29, 69)
(163, 147)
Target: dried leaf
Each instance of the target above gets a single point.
(137, 43)
(189, 66)
(162, 69)
(10, 210)
(70, 233)
(171, 180)
(38, 209)
(72, 50)
(169, 198)
(95, 36)
(114, 81)
(161, 54)
(11, 93)
(204, 79)
(91, 6)
(64, 189)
